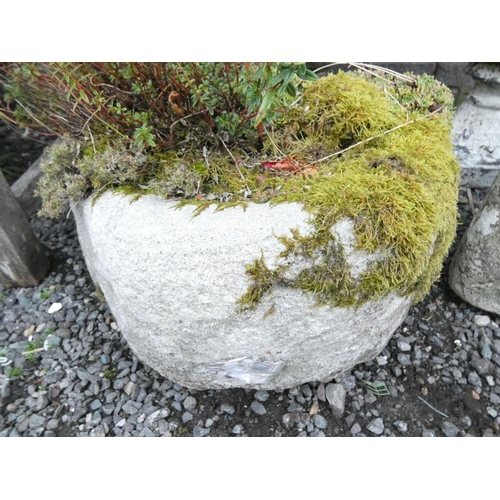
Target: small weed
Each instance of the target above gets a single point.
(15, 372)
(3, 353)
(42, 388)
(110, 374)
(30, 358)
(45, 294)
(181, 430)
(33, 345)
(2, 297)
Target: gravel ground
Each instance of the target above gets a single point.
(441, 369)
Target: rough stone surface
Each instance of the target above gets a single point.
(475, 268)
(476, 128)
(23, 261)
(175, 299)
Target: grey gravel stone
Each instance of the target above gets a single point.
(320, 422)
(261, 396)
(187, 417)
(200, 431)
(97, 431)
(376, 426)
(53, 377)
(481, 365)
(189, 403)
(428, 433)
(449, 429)
(403, 346)
(320, 392)
(42, 402)
(404, 359)
(36, 421)
(401, 426)
(258, 408)
(355, 429)
(226, 408)
(335, 395)
(52, 424)
(492, 412)
(237, 429)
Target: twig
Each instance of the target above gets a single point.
(432, 407)
(471, 201)
(376, 136)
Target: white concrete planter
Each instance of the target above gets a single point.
(172, 282)
(476, 128)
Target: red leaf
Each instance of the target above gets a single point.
(286, 165)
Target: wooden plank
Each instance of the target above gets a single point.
(23, 262)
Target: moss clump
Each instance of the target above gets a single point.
(379, 154)
(400, 190)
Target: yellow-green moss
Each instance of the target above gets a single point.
(400, 190)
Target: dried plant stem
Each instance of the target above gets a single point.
(273, 143)
(376, 136)
(34, 351)
(363, 66)
(432, 407)
(236, 165)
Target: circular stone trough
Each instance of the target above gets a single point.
(173, 281)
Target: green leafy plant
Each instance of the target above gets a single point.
(33, 347)
(152, 103)
(15, 372)
(110, 374)
(45, 294)
(2, 296)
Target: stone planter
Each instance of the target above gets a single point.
(310, 277)
(173, 281)
(476, 127)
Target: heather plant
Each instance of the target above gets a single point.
(153, 104)
(136, 125)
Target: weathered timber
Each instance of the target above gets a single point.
(23, 262)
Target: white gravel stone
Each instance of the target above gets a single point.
(481, 320)
(56, 306)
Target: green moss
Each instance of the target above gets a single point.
(381, 157)
(399, 190)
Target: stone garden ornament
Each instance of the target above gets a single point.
(267, 256)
